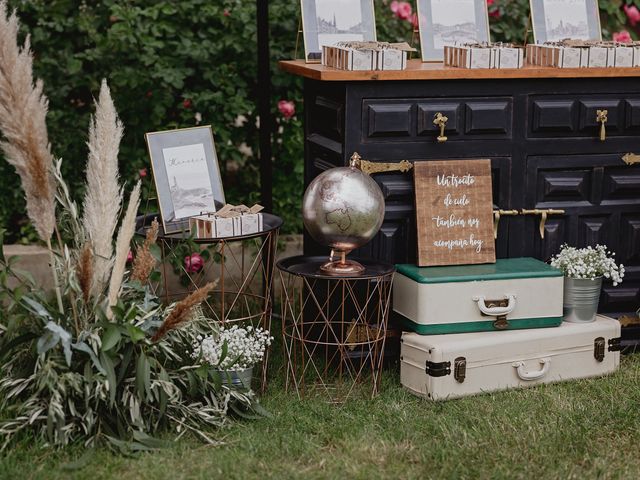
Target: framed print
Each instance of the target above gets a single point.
(444, 22)
(326, 22)
(186, 174)
(555, 20)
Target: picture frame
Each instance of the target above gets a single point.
(442, 22)
(554, 20)
(326, 22)
(186, 174)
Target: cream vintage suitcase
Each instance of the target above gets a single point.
(440, 367)
(509, 294)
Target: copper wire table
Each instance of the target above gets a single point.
(242, 265)
(333, 327)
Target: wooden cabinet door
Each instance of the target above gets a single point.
(601, 199)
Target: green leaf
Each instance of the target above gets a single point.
(107, 363)
(135, 333)
(124, 363)
(46, 342)
(143, 376)
(83, 347)
(111, 337)
(36, 308)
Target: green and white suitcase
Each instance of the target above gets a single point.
(440, 367)
(512, 293)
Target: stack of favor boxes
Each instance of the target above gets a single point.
(480, 328)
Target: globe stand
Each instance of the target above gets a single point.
(341, 266)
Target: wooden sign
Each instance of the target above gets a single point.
(454, 212)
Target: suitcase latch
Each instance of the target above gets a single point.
(615, 345)
(598, 349)
(460, 369)
(501, 323)
(438, 369)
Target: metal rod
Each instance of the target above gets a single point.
(264, 105)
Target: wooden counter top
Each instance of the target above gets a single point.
(417, 70)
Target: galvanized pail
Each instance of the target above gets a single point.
(581, 296)
(237, 378)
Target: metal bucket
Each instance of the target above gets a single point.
(581, 297)
(237, 378)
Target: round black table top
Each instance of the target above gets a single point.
(305, 266)
(270, 223)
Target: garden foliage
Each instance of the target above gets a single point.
(178, 64)
(102, 360)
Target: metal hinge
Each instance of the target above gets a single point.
(438, 369)
(614, 344)
(598, 349)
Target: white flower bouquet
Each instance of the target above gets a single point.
(589, 263)
(235, 348)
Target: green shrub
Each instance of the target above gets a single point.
(170, 62)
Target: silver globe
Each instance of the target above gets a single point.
(343, 208)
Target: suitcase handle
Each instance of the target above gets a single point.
(496, 311)
(529, 376)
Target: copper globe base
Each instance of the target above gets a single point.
(342, 266)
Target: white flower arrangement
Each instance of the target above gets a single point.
(245, 347)
(588, 263)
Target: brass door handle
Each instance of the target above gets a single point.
(497, 214)
(602, 118)
(439, 120)
(544, 214)
(631, 158)
(379, 167)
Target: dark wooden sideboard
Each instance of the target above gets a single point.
(539, 127)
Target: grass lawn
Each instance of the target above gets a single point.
(583, 429)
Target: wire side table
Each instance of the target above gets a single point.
(333, 327)
(243, 266)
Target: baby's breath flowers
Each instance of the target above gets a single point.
(589, 262)
(245, 346)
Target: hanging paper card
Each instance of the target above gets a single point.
(454, 212)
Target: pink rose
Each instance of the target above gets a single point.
(129, 256)
(402, 10)
(142, 172)
(633, 14)
(193, 263)
(493, 12)
(414, 21)
(622, 37)
(226, 13)
(287, 108)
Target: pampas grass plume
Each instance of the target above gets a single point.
(183, 311)
(145, 262)
(23, 111)
(123, 242)
(103, 198)
(84, 271)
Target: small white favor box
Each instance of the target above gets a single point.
(441, 367)
(624, 56)
(251, 223)
(598, 57)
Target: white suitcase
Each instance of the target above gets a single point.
(441, 367)
(510, 294)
